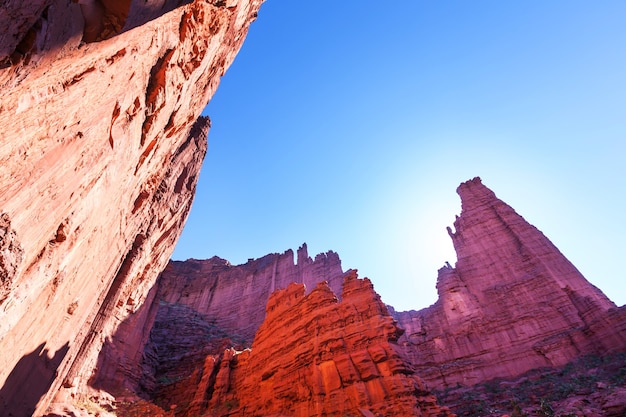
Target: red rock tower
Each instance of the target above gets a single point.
(512, 302)
(315, 355)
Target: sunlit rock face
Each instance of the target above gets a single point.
(199, 307)
(512, 302)
(313, 355)
(219, 339)
(101, 148)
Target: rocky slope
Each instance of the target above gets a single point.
(512, 302)
(101, 148)
(590, 386)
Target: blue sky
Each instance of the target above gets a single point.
(349, 125)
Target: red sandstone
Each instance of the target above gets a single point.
(512, 302)
(313, 356)
(101, 148)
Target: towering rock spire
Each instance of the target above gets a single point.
(495, 245)
(512, 302)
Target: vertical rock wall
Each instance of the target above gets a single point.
(193, 303)
(100, 152)
(236, 295)
(313, 355)
(512, 302)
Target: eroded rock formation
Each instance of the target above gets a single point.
(101, 148)
(199, 307)
(331, 358)
(512, 302)
(313, 356)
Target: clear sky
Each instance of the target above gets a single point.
(349, 125)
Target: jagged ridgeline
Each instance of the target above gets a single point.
(223, 339)
(102, 142)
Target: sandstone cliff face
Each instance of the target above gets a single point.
(313, 356)
(343, 355)
(512, 302)
(236, 295)
(198, 308)
(101, 148)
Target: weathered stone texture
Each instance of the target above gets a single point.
(198, 305)
(313, 356)
(100, 152)
(236, 295)
(316, 356)
(512, 302)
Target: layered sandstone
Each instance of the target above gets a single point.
(314, 355)
(197, 306)
(101, 148)
(512, 302)
(102, 144)
(235, 296)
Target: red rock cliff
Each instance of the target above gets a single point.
(195, 307)
(235, 296)
(512, 302)
(100, 152)
(313, 356)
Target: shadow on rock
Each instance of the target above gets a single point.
(35, 28)
(29, 380)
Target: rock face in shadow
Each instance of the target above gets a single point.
(29, 380)
(512, 302)
(101, 148)
(236, 295)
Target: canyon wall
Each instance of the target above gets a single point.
(101, 148)
(313, 355)
(512, 302)
(213, 338)
(235, 296)
(198, 306)
(102, 142)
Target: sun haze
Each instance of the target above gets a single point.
(349, 128)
